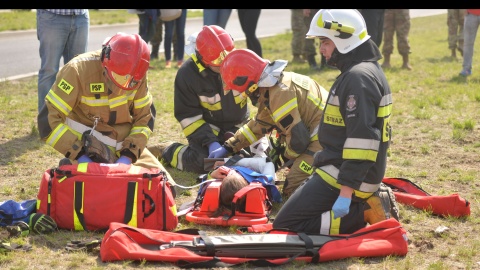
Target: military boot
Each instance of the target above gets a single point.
(312, 62)
(406, 63)
(297, 59)
(454, 53)
(381, 206)
(386, 61)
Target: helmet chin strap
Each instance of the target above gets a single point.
(333, 58)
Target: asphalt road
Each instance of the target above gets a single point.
(19, 49)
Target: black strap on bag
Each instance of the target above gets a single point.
(79, 204)
(130, 202)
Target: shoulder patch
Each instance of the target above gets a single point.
(301, 80)
(97, 88)
(65, 86)
(351, 103)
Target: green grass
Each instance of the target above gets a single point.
(436, 144)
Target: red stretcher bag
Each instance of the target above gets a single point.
(276, 247)
(407, 192)
(89, 196)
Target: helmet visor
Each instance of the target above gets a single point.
(126, 82)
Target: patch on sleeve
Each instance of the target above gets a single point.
(97, 88)
(351, 103)
(65, 86)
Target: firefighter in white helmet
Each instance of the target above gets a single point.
(345, 191)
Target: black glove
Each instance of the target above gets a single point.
(96, 150)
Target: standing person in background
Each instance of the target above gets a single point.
(177, 25)
(248, 21)
(298, 35)
(374, 20)
(157, 38)
(62, 33)
(396, 21)
(310, 50)
(217, 16)
(345, 192)
(470, 29)
(147, 23)
(455, 21)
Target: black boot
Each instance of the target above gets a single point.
(154, 53)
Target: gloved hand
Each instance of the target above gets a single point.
(218, 153)
(42, 224)
(341, 207)
(213, 146)
(124, 160)
(83, 159)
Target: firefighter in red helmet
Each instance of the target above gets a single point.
(103, 93)
(289, 103)
(206, 114)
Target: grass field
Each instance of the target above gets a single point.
(436, 144)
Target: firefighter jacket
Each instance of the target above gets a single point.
(202, 108)
(293, 107)
(355, 128)
(83, 95)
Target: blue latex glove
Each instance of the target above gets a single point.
(84, 159)
(124, 160)
(341, 207)
(218, 153)
(213, 146)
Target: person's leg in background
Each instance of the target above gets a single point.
(180, 24)
(248, 21)
(470, 29)
(157, 39)
(298, 35)
(58, 38)
(167, 43)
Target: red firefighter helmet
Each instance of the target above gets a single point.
(126, 58)
(213, 43)
(241, 70)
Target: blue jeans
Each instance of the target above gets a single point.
(470, 28)
(179, 26)
(216, 17)
(59, 35)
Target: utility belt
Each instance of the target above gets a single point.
(329, 174)
(81, 128)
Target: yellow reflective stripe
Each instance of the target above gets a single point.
(56, 134)
(314, 138)
(335, 224)
(141, 130)
(324, 95)
(330, 174)
(211, 103)
(333, 116)
(188, 121)
(118, 101)
(177, 157)
(358, 143)
(173, 208)
(360, 154)
(58, 103)
(142, 102)
(82, 167)
(384, 111)
(93, 102)
(193, 127)
(133, 222)
(249, 135)
(284, 109)
(290, 152)
(76, 222)
(317, 101)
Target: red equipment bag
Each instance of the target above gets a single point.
(277, 247)
(89, 196)
(406, 192)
